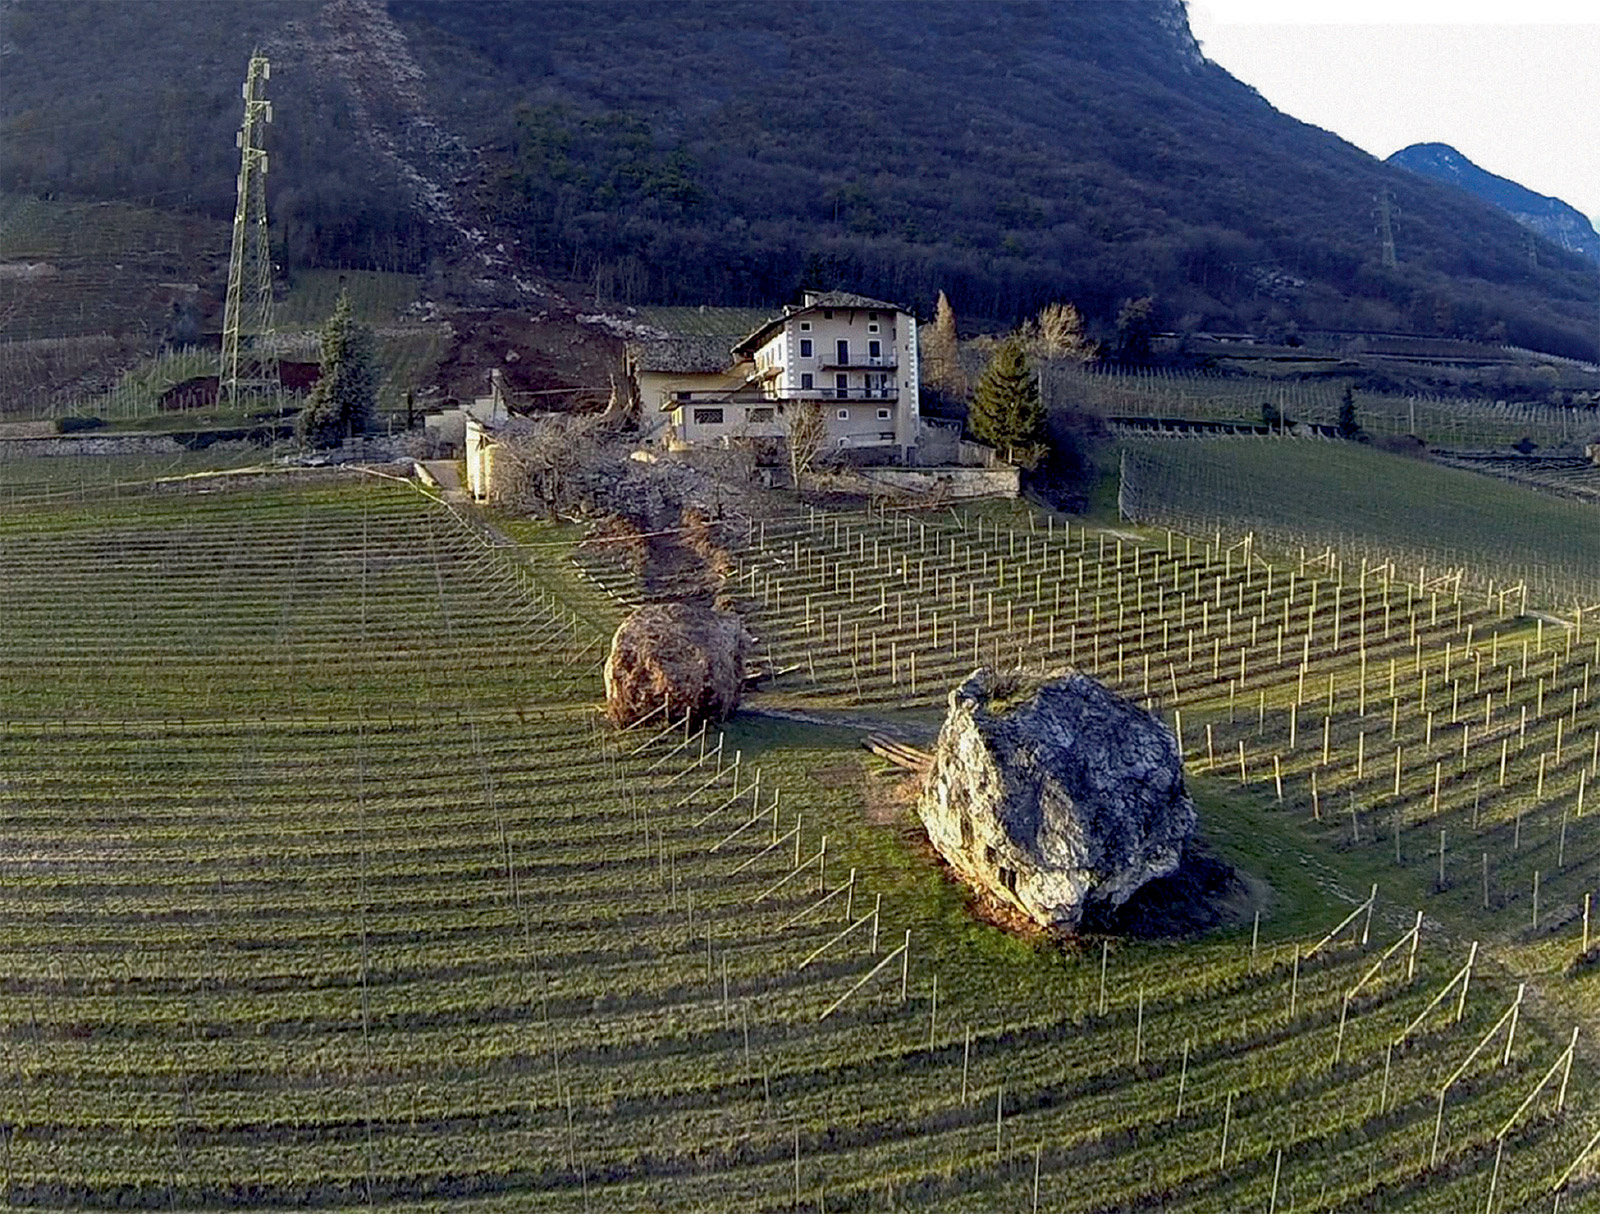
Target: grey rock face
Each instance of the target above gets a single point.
(1055, 793)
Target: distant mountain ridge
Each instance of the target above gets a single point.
(734, 151)
(1553, 219)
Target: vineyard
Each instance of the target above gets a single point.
(1394, 713)
(1575, 477)
(87, 290)
(81, 269)
(1370, 506)
(1193, 396)
(325, 885)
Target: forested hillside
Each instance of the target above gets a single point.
(729, 151)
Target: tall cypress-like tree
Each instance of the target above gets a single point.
(1006, 411)
(1349, 425)
(941, 350)
(345, 399)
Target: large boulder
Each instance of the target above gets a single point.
(1055, 794)
(687, 655)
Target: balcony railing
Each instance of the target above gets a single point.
(857, 394)
(860, 362)
(712, 397)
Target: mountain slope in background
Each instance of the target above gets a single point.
(1553, 219)
(730, 151)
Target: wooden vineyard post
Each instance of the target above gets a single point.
(1294, 984)
(1105, 950)
(1138, 1035)
(1444, 1089)
(905, 965)
(966, 1062)
(1183, 1079)
(1227, 1123)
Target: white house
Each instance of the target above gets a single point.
(856, 356)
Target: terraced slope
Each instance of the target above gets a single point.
(321, 886)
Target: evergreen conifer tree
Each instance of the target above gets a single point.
(1349, 426)
(345, 399)
(1006, 411)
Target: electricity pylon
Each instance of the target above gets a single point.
(248, 311)
(1386, 226)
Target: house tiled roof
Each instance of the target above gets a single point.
(845, 299)
(682, 353)
(813, 301)
(704, 319)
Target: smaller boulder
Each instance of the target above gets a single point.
(687, 655)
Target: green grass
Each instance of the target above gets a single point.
(1369, 504)
(1438, 421)
(322, 888)
(377, 297)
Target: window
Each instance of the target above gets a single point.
(872, 328)
(883, 415)
(827, 313)
(872, 316)
(874, 349)
(708, 417)
(841, 386)
(844, 352)
(805, 347)
(844, 415)
(762, 414)
(805, 326)
(807, 381)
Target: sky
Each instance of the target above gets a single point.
(1514, 85)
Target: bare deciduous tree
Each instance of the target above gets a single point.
(1057, 332)
(807, 431)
